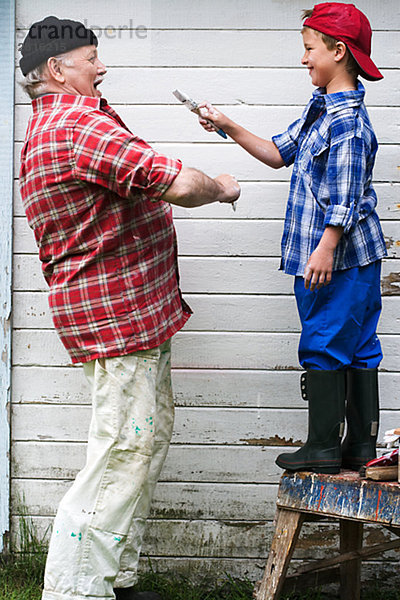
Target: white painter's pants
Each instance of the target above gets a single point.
(133, 413)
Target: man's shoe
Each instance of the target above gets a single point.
(130, 594)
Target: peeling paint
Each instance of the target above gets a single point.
(389, 241)
(272, 441)
(376, 536)
(246, 525)
(325, 539)
(176, 513)
(391, 285)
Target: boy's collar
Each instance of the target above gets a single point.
(340, 100)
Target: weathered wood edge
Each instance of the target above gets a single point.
(7, 32)
(344, 496)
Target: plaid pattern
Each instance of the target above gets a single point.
(91, 192)
(333, 148)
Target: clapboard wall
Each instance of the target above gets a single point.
(235, 363)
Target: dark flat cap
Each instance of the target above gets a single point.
(51, 37)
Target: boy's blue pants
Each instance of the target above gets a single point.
(339, 320)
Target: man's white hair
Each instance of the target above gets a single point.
(35, 81)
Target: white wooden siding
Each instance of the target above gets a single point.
(235, 363)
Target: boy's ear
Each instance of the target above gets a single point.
(340, 51)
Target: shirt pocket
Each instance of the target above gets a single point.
(319, 151)
(312, 152)
(314, 171)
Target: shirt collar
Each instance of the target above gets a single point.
(57, 100)
(340, 100)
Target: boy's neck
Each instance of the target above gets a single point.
(342, 82)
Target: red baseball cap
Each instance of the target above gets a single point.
(346, 23)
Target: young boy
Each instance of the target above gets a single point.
(332, 241)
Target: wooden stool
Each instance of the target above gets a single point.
(347, 497)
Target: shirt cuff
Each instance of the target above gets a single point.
(163, 174)
(340, 216)
(286, 146)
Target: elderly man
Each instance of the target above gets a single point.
(98, 199)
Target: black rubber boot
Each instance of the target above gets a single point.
(130, 594)
(325, 392)
(362, 414)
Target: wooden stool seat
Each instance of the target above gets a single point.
(347, 497)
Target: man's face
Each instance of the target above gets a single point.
(84, 73)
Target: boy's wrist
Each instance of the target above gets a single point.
(331, 237)
(230, 127)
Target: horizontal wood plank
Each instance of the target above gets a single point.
(201, 464)
(276, 351)
(172, 124)
(222, 48)
(202, 237)
(256, 14)
(40, 497)
(259, 200)
(253, 427)
(209, 158)
(223, 426)
(225, 312)
(212, 275)
(231, 539)
(192, 387)
(263, 86)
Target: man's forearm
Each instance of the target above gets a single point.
(193, 188)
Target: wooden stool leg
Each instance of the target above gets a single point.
(288, 525)
(351, 536)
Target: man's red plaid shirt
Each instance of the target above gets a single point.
(92, 194)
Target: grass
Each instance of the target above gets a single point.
(21, 579)
(21, 576)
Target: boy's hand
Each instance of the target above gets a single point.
(318, 271)
(208, 111)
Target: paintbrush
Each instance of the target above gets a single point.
(194, 107)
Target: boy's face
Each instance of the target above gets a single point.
(318, 59)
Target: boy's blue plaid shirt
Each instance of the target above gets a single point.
(333, 148)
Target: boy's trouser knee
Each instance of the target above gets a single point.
(129, 435)
(339, 320)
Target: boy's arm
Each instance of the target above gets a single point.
(318, 271)
(264, 150)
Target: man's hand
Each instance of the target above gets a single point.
(193, 188)
(230, 188)
(318, 271)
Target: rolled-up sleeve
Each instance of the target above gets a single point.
(287, 142)
(110, 156)
(345, 176)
